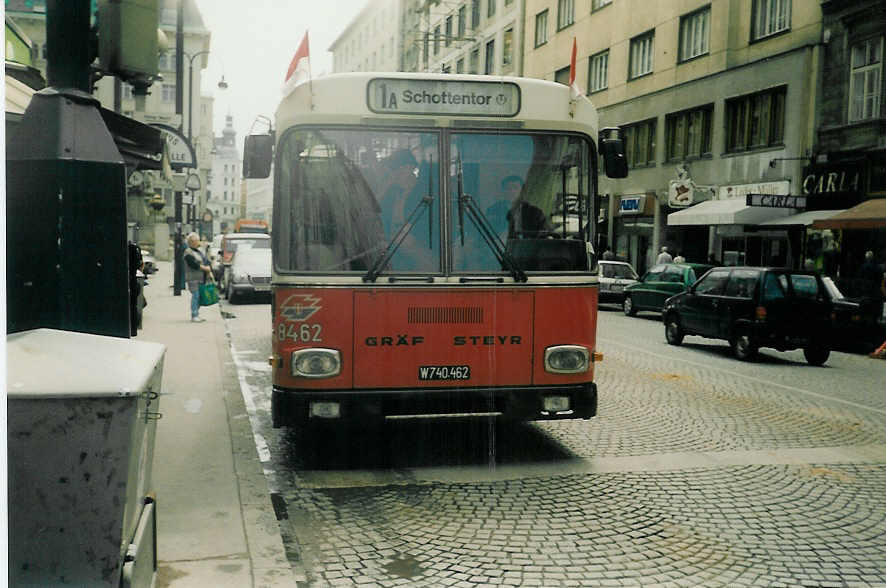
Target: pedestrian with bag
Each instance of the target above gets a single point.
(197, 269)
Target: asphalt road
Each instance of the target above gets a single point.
(699, 470)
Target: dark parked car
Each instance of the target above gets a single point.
(249, 274)
(660, 283)
(858, 323)
(753, 307)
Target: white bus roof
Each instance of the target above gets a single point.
(468, 101)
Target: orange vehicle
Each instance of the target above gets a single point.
(418, 271)
(246, 225)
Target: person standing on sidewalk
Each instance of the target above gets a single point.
(664, 256)
(196, 269)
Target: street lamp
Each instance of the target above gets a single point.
(222, 85)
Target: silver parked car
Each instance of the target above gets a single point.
(249, 274)
(613, 277)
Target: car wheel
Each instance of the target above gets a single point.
(816, 355)
(673, 331)
(743, 346)
(628, 306)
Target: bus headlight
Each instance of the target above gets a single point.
(316, 363)
(567, 359)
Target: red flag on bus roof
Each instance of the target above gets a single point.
(576, 92)
(300, 66)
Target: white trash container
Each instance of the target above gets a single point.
(82, 413)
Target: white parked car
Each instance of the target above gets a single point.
(613, 277)
(249, 274)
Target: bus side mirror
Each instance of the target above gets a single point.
(258, 152)
(612, 146)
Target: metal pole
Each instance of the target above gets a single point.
(67, 44)
(191, 95)
(179, 108)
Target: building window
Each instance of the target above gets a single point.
(460, 65)
(561, 76)
(598, 4)
(462, 21)
(489, 66)
(641, 55)
(475, 61)
(865, 79)
(640, 143)
(490, 8)
(688, 133)
(475, 14)
(565, 13)
(598, 72)
(446, 68)
(167, 93)
(436, 39)
(695, 34)
(541, 28)
(507, 48)
(769, 17)
(755, 120)
(126, 92)
(448, 31)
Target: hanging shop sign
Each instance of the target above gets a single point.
(181, 154)
(833, 179)
(633, 204)
(834, 186)
(775, 200)
(781, 188)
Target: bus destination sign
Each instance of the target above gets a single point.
(443, 97)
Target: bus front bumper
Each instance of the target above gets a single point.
(299, 406)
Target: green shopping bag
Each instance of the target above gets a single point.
(208, 294)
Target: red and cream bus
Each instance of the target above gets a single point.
(433, 248)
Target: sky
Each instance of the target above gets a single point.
(252, 44)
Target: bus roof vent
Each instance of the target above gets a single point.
(445, 315)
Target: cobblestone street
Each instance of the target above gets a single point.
(699, 470)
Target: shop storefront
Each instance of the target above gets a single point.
(738, 234)
(634, 226)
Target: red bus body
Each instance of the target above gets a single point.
(387, 336)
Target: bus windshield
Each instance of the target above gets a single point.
(369, 200)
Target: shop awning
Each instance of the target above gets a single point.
(870, 214)
(732, 211)
(801, 219)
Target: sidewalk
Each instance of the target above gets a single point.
(215, 523)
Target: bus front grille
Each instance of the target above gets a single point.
(445, 315)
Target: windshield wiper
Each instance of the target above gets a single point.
(484, 227)
(398, 239)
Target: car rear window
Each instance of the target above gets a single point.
(774, 286)
(804, 286)
(673, 274)
(742, 283)
(611, 270)
(712, 282)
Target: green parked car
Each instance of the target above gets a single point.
(660, 283)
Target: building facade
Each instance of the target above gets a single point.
(717, 101)
(469, 36)
(223, 188)
(373, 40)
(849, 172)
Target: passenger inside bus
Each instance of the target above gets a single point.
(405, 184)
